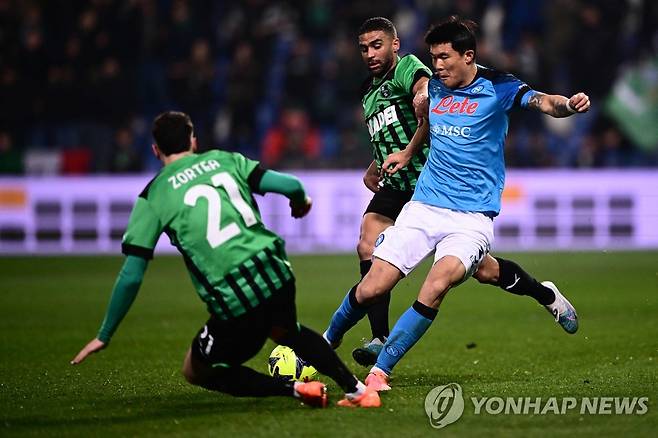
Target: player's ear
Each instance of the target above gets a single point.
(396, 45)
(193, 144)
(469, 56)
(155, 150)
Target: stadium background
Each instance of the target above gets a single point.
(80, 82)
(279, 82)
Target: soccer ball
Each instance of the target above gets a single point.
(284, 364)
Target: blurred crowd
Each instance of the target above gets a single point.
(80, 81)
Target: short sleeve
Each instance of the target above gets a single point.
(410, 69)
(144, 229)
(244, 166)
(511, 92)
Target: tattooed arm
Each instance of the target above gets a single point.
(559, 106)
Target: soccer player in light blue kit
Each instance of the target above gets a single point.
(457, 195)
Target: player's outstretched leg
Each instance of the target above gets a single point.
(366, 355)
(511, 277)
(412, 325)
(241, 381)
(313, 348)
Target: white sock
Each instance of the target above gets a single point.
(294, 387)
(378, 341)
(378, 370)
(360, 389)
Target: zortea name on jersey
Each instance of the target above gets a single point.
(190, 173)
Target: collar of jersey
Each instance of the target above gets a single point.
(181, 161)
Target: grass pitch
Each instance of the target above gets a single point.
(51, 307)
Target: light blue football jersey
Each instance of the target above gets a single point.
(465, 170)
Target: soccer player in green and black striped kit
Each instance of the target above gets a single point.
(387, 97)
(239, 268)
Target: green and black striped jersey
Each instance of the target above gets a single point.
(204, 204)
(389, 115)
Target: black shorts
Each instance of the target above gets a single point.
(388, 202)
(232, 342)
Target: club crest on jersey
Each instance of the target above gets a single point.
(386, 92)
(476, 90)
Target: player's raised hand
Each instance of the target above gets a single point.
(94, 346)
(300, 209)
(396, 161)
(579, 103)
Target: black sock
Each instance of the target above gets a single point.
(514, 279)
(352, 297)
(378, 317)
(424, 310)
(378, 312)
(364, 267)
(241, 381)
(315, 350)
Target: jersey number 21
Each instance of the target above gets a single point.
(215, 234)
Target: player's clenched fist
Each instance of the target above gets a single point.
(579, 103)
(300, 209)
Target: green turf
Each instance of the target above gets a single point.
(51, 306)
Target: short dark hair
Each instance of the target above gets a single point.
(172, 131)
(456, 31)
(378, 23)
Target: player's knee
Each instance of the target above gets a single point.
(192, 371)
(485, 276)
(364, 249)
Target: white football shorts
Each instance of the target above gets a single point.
(421, 229)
